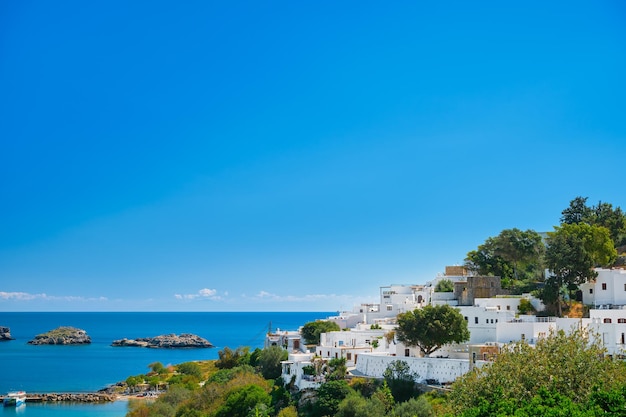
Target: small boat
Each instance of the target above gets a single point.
(14, 399)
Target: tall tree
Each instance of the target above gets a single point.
(573, 251)
(517, 246)
(431, 327)
(577, 212)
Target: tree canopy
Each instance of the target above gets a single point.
(573, 250)
(311, 331)
(603, 214)
(561, 370)
(431, 327)
(514, 255)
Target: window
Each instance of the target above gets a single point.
(590, 290)
(621, 320)
(466, 319)
(406, 352)
(508, 307)
(624, 287)
(623, 339)
(523, 336)
(486, 321)
(389, 308)
(607, 320)
(349, 356)
(476, 320)
(604, 285)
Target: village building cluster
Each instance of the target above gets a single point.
(368, 344)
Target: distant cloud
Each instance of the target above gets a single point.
(307, 298)
(205, 293)
(24, 296)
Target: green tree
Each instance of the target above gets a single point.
(240, 402)
(431, 327)
(311, 331)
(229, 358)
(269, 361)
(190, 368)
(337, 369)
(566, 364)
(400, 380)
(329, 395)
(520, 247)
(573, 251)
(444, 285)
(602, 214)
(414, 407)
(577, 212)
(485, 261)
(157, 368)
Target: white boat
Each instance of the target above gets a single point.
(14, 399)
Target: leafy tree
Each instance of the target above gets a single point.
(290, 411)
(190, 368)
(431, 327)
(329, 395)
(241, 401)
(572, 253)
(514, 255)
(311, 331)
(269, 361)
(485, 261)
(577, 212)
(571, 365)
(400, 380)
(601, 215)
(525, 306)
(337, 369)
(229, 358)
(354, 405)
(519, 247)
(414, 407)
(133, 381)
(157, 368)
(444, 285)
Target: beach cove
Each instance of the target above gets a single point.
(89, 368)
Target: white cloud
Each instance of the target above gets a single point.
(205, 293)
(24, 296)
(307, 298)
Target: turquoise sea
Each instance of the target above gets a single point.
(95, 366)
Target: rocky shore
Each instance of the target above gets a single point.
(170, 341)
(62, 336)
(5, 333)
(89, 397)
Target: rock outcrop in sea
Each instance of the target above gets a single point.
(169, 341)
(5, 333)
(62, 336)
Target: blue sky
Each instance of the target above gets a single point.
(290, 156)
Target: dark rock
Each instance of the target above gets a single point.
(170, 341)
(5, 333)
(62, 336)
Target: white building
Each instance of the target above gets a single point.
(608, 289)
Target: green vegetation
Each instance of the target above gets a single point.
(311, 331)
(431, 327)
(563, 375)
(444, 285)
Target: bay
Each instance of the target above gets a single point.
(86, 368)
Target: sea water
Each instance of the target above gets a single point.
(86, 368)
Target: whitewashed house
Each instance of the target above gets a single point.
(608, 289)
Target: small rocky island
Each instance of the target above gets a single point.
(62, 336)
(170, 341)
(5, 333)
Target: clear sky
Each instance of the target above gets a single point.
(291, 156)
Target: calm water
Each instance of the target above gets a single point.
(95, 366)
